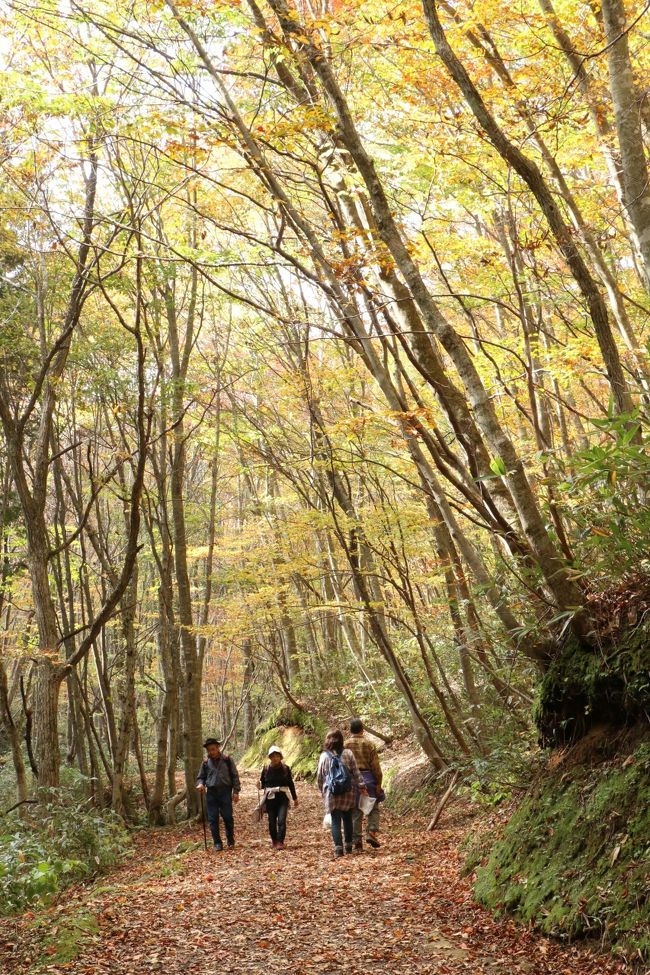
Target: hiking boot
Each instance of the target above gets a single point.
(231, 845)
(358, 847)
(371, 838)
(218, 847)
(348, 848)
(338, 851)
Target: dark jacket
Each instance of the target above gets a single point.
(220, 774)
(272, 778)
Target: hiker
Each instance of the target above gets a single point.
(219, 779)
(368, 763)
(277, 781)
(339, 781)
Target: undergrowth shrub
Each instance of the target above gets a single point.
(505, 770)
(57, 842)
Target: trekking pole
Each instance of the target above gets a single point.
(205, 832)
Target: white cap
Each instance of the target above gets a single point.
(274, 750)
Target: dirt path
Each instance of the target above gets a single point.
(399, 910)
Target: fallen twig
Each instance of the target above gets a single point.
(16, 804)
(443, 802)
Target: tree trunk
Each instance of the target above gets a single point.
(627, 112)
(529, 172)
(423, 730)
(156, 817)
(45, 708)
(47, 674)
(553, 566)
(249, 672)
(13, 733)
(127, 697)
(191, 672)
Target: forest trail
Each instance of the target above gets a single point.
(401, 909)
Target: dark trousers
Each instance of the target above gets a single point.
(277, 809)
(219, 801)
(342, 817)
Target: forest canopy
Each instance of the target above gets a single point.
(324, 377)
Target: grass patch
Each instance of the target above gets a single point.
(169, 867)
(66, 941)
(101, 890)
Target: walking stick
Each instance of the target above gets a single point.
(205, 832)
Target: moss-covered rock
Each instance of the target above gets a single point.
(574, 858)
(297, 734)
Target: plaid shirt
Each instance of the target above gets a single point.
(366, 755)
(347, 800)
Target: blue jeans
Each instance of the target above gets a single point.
(277, 809)
(220, 801)
(342, 817)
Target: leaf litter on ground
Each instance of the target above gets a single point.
(403, 909)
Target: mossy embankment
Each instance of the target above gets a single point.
(574, 859)
(299, 736)
(605, 680)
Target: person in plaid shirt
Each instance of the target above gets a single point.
(340, 806)
(368, 764)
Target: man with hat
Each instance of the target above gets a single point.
(277, 781)
(219, 779)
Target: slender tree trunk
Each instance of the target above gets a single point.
(47, 673)
(191, 672)
(47, 677)
(627, 101)
(248, 680)
(559, 580)
(167, 699)
(127, 696)
(422, 728)
(529, 172)
(13, 733)
(481, 39)
(137, 749)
